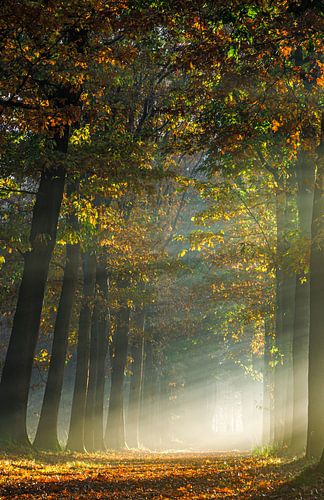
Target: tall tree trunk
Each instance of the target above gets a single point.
(115, 430)
(289, 292)
(289, 289)
(103, 332)
(94, 439)
(98, 351)
(136, 383)
(89, 424)
(46, 436)
(315, 432)
(150, 379)
(305, 179)
(279, 370)
(248, 411)
(286, 285)
(16, 375)
(164, 411)
(76, 431)
(267, 384)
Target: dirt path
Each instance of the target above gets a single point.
(132, 475)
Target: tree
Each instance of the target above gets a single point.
(45, 69)
(46, 436)
(315, 435)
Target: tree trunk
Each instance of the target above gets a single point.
(305, 180)
(46, 436)
(115, 430)
(136, 384)
(98, 351)
(164, 409)
(267, 384)
(315, 432)
(76, 431)
(286, 284)
(148, 412)
(278, 372)
(92, 382)
(321, 464)
(16, 375)
(248, 411)
(289, 290)
(103, 332)
(300, 366)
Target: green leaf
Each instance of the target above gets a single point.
(232, 52)
(252, 12)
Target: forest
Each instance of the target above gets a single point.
(162, 249)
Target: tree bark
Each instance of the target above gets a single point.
(148, 412)
(136, 384)
(46, 436)
(103, 333)
(289, 290)
(267, 385)
(115, 430)
(16, 375)
(164, 409)
(278, 372)
(315, 432)
(305, 180)
(286, 285)
(98, 350)
(76, 432)
(89, 424)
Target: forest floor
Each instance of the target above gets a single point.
(139, 475)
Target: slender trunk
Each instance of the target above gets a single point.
(315, 433)
(288, 324)
(305, 179)
(16, 375)
(267, 384)
(103, 332)
(76, 431)
(115, 430)
(321, 464)
(94, 439)
(164, 413)
(300, 366)
(135, 384)
(286, 284)
(149, 395)
(159, 407)
(98, 350)
(46, 436)
(89, 424)
(289, 292)
(278, 373)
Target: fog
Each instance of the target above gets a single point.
(222, 410)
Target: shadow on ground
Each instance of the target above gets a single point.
(308, 484)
